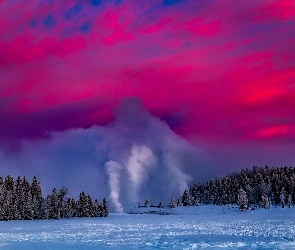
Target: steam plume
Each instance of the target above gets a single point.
(135, 157)
(139, 162)
(113, 170)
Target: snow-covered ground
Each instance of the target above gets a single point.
(201, 227)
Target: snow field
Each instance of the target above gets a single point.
(202, 227)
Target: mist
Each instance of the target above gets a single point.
(135, 157)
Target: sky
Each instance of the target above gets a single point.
(217, 75)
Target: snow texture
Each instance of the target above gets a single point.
(202, 227)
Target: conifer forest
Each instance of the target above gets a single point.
(260, 187)
(20, 200)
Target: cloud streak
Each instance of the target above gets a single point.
(187, 57)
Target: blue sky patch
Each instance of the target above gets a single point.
(170, 2)
(85, 27)
(49, 21)
(72, 12)
(96, 2)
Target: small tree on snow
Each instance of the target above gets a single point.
(289, 201)
(186, 198)
(179, 202)
(264, 201)
(172, 203)
(242, 200)
(104, 208)
(147, 202)
(283, 197)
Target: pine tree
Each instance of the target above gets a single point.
(53, 206)
(186, 198)
(172, 203)
(242, 200)
(37, 198)
(104, 208)
(289, 201)
(82, 205)
(88, 207)
(283, 197)
(17, 195)
(264, 201)
(195, 195)
(61, 203)
(1, 199)
(147, 203)
(179, 202)
(8, 204)
(95, 209)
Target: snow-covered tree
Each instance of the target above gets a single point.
(104, 208)
(53, 205)
(147, 202)
(172, 203)
(195, 194)
(27, 212)
(186, 198)
(289, 201)
(242, 200)
(37, 198)
(283, 197)
(95, 209)
(264, 201)
(179, 202)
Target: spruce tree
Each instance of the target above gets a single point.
(104, 208)
(179, 202)
(53, 205)
(264, 201)
(242, 200)
(195, 195)
(8, 205)
(186, 198)
(95, 209)
(61, 203)
(289, 201)
(37, 198)
(27, 211)
(18, 196)
(283, 197)
(1, 199)
(147, 202)
(172, 203)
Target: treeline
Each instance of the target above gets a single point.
(258, 187)
(20, 200)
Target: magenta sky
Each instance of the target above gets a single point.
(215, 71)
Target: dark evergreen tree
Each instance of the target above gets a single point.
(242, 200)
(179, 202)
(104, 208)
(283, 197)
(289, 201)
(186, 198)
(264, 201)
(95, 209)
(37, 199)
(27, 212)
(147, 202)
(8, 205)
(172, 203)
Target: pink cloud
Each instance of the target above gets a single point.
(216, 67)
